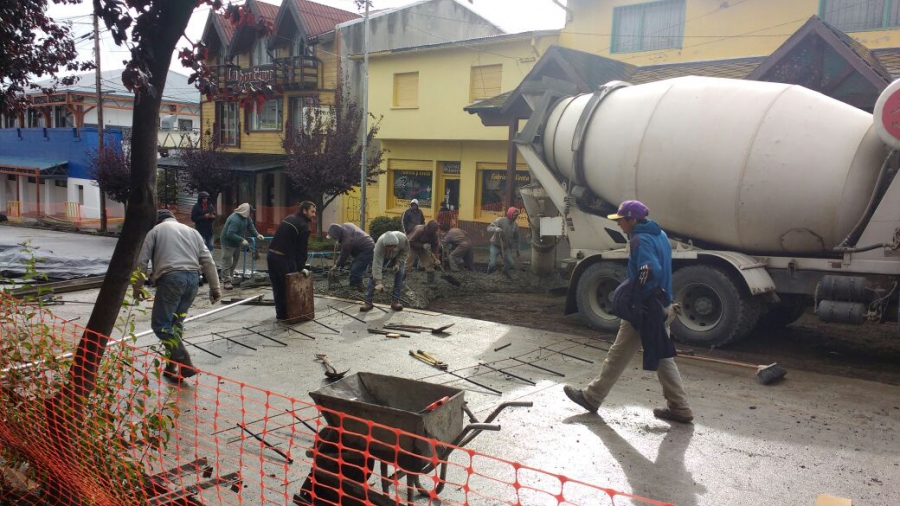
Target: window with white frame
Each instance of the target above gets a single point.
(228, 122)
(266, 116)
(860, 15)
(261, 54)
(648, 26)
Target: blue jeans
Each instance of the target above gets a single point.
(175, 293)
(208, 240)
(492, 259)
(398, 284)
(358, 268)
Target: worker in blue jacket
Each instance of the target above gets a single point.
(650, 266)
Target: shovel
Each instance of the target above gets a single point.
(412, 328)
(446, 277)
(505, 268)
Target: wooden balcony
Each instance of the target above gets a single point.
(291, 73)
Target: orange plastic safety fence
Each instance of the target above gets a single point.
(139, 439)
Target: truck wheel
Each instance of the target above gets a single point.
(595, 292)
(781, 315)
(714, 308)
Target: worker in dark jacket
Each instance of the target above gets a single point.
(288, 253)
(203, 214)
(650, 266)
(355, 243)
(412, 217)
(456, 240)
(423, 241)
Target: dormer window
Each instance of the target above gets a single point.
(260, 54)
(301, 47)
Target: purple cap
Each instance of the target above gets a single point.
(630, 209)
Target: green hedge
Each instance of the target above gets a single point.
(384, 224)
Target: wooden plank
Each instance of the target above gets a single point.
(300, 302)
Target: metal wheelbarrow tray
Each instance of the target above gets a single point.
(401, 403)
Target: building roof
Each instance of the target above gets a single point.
(227, 29)
(489, 39)
(890, 60)
(736, 68)
(319, 19)
(177, 88)
(266, 10)
(383, 12)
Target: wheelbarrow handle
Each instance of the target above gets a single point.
(501, 407)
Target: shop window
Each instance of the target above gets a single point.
(266, 116)
(408, 184)
(492, 183)
(649, 26)
(406, 90)
(859, 15)
(484, 82)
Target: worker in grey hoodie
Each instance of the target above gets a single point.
(233, 240)
(179, 254)
(391, 251)
(355, 243)
(505, 238)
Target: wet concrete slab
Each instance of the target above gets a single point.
(749, 444)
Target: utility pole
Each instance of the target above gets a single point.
(99, 116)
(364, 173)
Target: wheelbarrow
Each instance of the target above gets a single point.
(430, 416)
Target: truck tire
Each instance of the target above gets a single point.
(715, 310)
(780, 315)
(594, 294)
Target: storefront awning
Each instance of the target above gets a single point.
(26, 166)
(238, 162)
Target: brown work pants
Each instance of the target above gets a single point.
(628, 342)
(463, 255)
(424, 258)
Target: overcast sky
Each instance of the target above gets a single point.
(511, 15)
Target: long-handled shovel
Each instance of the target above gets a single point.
(446, 277)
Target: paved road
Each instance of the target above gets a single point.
(750, 444)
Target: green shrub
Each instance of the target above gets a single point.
(384, 224)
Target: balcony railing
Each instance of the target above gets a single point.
(291, 73)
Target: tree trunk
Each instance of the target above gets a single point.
(139, 219)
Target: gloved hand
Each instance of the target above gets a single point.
(260, 237)
(646, 272)
(305, 273)
(215, 295)
(244, 243)
(396, 268)
(138, 293)
(427, 247)
(379, 287)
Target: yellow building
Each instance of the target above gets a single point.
(299, 63)
(437, 152)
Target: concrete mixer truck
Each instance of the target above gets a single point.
(775, 198)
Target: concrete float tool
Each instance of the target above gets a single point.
(765, 374)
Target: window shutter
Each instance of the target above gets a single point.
(406, 90)
(485, 82)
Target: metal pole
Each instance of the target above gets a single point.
(365, 122)
(99, 116)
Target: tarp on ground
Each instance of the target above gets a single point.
(15, 261)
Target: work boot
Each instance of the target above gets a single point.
(674, 416)
(576, 395)
(396, 305)
(170, 373)
(429, 277)
(227, 285)
(187, 367)
(368, 306)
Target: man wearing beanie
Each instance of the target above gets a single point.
(412, 216)
(233, 240)
(391, 251)
(505, 237)
(355, 243)
(288, 253)
(179, 254)
(650, 268)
